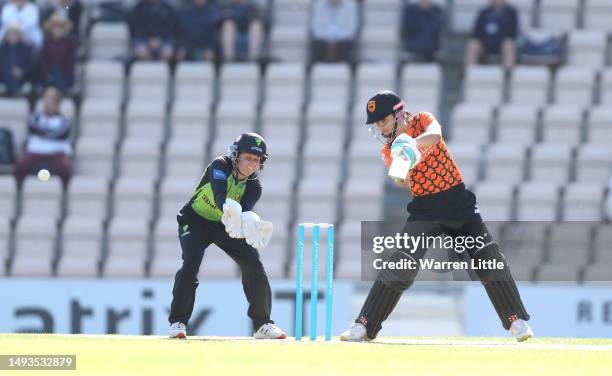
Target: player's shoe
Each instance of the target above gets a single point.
(178, 330)
(521, 330)
(356, 333)
(270, 331)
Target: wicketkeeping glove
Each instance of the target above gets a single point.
(232, 211)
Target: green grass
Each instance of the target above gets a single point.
(418, 356)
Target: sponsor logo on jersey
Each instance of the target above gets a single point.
(219, 174)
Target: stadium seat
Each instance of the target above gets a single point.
(550, 163)
(323, 160)
(537, 201)
(587, 48)
(42, 198)
(139, 158)
(104, 80)
(421, 83)
(217, 264)
(282, 162)
(574, 86)
(494, 200)
(569, 243)
(464, 13)
(87, 196)
(189, 122)
(307, 267)
(127, 246)
(284, 84)
(81, 246)
(145, 119)
(166, 249)
(233, 118)
(184, 159)
(94, 157)
(100, 120)
(600, 125)
(289, 34)
(583, 201)
(558, 273)
(597, 15)
(195, 82)
(240, 82)
(108, 41)
(526, 12)
(371, 78)
(149, 81)
(317, 200)
(329, 84)
(349, 242)
(8, 196)
(517, 124)
(35, 241)
(364, 199)
(484, 85)
(562, 124)
(133, 195)
(14, 117)
(523, 245)
(529, 85)
(280, 122)
(379, 33)
(275, 202)
(559, 15)
(173, 194)
(601, 243)
(593, 163)
(605, 95)
(471, 122)
(325, 122)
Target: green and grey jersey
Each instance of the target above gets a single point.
(216, 185)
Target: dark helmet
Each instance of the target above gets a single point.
(249, 143)
(382, 104)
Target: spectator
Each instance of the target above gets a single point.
(494, 33)
(154, 28)
(334, 26)
(199, 24)
(16, 60)
(71, 9)
(58, 54)
(25, 14)
(48, 145)
(421, 28)
(242, 31)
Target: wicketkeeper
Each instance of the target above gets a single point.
(220, 212)
(441, 205)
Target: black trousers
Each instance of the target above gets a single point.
(195, 235)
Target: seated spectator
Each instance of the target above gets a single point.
(199, 24)
(333, 28)
(57, 58)
(71, 9)
(242, 31)
(25, 14)
(154, 30)
(421, 28)
(16, 60)
(48, 145)
(494, 33)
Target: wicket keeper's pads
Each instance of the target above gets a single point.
(500, 286)
(405, 147)
(232, 211)
(386, 292)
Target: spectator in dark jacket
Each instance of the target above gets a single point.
(154, 30)
(494, 33)
(16, 60)
(58, 54)
(242, 32)
(421, 27)
(48, 145)
(199, 25)
(72, 10)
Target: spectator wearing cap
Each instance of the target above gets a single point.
(17, 60)
(24, 14)
(242, 31)
(495, 33)
(333, 29)
(58, 54)
(48, 144)
(421, 27)
(154, 30)
(199, 25)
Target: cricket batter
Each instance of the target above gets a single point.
(441, 205)
(219, 212)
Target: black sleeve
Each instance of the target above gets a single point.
(478, 31)
(218, 173)
(252, 194)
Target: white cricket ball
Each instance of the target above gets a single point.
(44, 175)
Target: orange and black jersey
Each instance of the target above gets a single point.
(437, 170)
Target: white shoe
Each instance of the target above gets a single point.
(356, 333)
(521, 330)
(178, 330)
(270, 331)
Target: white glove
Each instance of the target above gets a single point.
(231, 218)
(405, 147)
(249, 228)
(265, 233)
